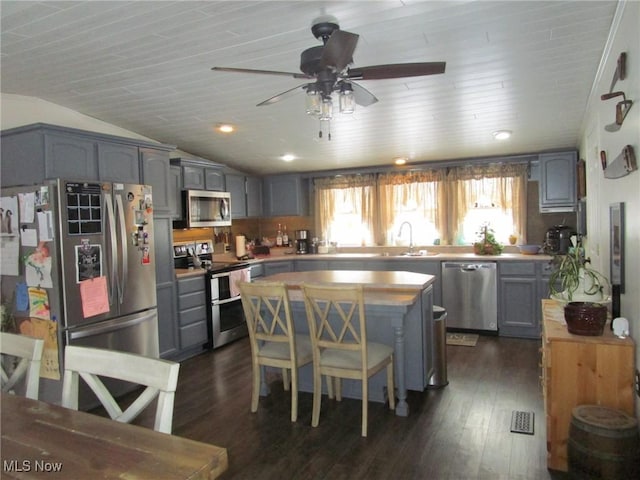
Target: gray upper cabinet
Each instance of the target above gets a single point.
(237, 188)
(175, 192)
(69, 157)
(286, 195)
(246, 195)
(155, 172)
(558, 177)
(200, 174)
(254, 196)
(34, 153)
(117, 163)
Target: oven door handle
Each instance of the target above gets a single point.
(228, 300)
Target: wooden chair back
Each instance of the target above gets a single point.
(160, 377)
(29, 351)
(346, 304)
(268, 314)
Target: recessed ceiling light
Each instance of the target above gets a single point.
(287, 157)
(225, 128)
(399, 160)
(502, 134)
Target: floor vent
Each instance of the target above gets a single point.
(522, 422)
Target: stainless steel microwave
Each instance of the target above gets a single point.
(202, 208)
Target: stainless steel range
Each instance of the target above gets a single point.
(226, 318)
(226, 321)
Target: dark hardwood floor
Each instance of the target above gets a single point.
(461, 431)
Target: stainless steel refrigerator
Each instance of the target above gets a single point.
(100, 232)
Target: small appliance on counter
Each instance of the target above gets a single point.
(558, 240)
(302, 242)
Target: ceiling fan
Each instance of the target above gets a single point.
(327, 66)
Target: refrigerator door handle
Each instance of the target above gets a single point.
(123, 248)
(106, 327)
(106, 198)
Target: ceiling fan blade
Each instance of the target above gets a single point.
(283, 95)
(338, 51)
(397, 70)
(362, 96)
(263, 72)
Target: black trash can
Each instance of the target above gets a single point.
(439, 377)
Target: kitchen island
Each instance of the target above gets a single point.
(399, 313)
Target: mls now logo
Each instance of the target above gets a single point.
(17, 466)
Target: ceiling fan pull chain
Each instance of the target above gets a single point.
(329, 130)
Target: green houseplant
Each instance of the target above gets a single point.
(574, 280)
(487, 243)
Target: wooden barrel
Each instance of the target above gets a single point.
(603, 444)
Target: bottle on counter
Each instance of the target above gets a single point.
(285, 237)
(279, 236)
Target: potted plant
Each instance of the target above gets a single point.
(582, 289)
(487, 243)
(574, 280)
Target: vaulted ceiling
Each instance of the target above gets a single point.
(524, 66)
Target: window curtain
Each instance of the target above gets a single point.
(358, 192)
(502, 185)
(422, 190)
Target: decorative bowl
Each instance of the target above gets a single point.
(585, 318)
(529, 249)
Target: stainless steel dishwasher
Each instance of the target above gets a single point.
(470, 295)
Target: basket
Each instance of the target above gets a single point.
(585, 318)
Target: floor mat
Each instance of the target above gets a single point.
(462, 339)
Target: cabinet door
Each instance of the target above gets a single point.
(310, 265)
(271, 268)
(167, 320)
(155, 172)
(557, 187)
(285, 195)
(175, 192)
(118, 163)
(213, 179)
(69, 157)
(518, 313)
(193, 177)
(236, 187)
(254, 196)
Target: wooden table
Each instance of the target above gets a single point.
(41, 440)
(399, 314)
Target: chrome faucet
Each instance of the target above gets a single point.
(410, 234)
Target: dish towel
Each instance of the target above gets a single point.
(237, 276)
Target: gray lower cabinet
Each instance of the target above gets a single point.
(192, 315)
(257, 270)
(519, 300)
(311, 265)
(165, 288)
(271, 268)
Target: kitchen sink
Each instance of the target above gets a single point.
(417, 254)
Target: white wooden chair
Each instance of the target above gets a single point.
(159, 376)
(272, 337)
(337, 325)
(29, 350)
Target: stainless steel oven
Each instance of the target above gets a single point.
(226, 317)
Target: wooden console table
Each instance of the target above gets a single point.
(579, 370)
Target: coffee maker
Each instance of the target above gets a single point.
(302, 242)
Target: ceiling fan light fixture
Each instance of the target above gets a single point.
(502, 134)
(326, 109)
(313, 101)
(347, 100)
(399, 160)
